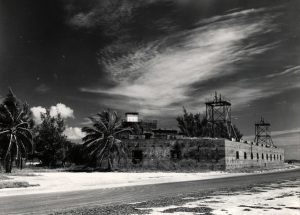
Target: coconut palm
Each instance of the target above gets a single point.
(100, 139)
(15, 130)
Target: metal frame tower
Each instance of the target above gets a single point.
(218, 110)
(262, 133)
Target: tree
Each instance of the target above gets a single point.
(237, 132)
(192, 125)
(100, 139)
(77, 154)
(15, 130)
(50, 142)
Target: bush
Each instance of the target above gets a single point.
(77, 155)
(187, 164)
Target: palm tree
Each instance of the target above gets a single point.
(100, 139)
(15, 130)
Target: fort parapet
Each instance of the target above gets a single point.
(204, 153)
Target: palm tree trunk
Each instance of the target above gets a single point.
(109, 167)
(8, 163)
(21, 163)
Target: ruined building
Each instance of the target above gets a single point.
(208, 152)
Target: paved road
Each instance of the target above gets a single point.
(46, 203)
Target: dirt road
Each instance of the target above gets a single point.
(46, 203)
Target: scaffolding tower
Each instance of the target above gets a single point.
(262, 133)
(218, 112)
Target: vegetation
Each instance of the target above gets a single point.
(77, 155)
(14, 184)
(192, 125)
(50, 143)
(15, 131)
(100, 139)
(101, 145)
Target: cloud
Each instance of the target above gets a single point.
(42, 88)
(285, 132)
(160, 73)
(63, 110)
(289, 71)
(109, 14)
(36, 112)
(74, 133)
(82, 20)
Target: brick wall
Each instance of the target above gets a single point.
(203, 153)
(239, 155)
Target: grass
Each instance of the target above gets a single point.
(5, 181)
(15, 184)
(3, 177)
(260, 169)
(201, 210)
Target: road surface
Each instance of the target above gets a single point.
(47, 203)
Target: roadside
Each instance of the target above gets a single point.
(8, 182)
(280, 198)
(51, 182)
(56, 202)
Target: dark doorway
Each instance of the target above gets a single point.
(137, 156)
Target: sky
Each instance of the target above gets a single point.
(154, 57)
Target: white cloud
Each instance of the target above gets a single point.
(74, 133)
(112, 14)
(284, 132)
(160, 73)
(291, 70)
(36, 113)
(63, 110)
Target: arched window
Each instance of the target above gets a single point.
(277, 156)
(251, 156)
(257, 156)
(267, 156)
(262, 156)
(237, 155)
(270, 157)
(274, 157)
(245, 155)
(280, 157)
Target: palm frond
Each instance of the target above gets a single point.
(3, 132)
(89, 143)
(27, 139)
(122, 130)
(22, 124)
(98, 147)
(90, 130)
(9, 113)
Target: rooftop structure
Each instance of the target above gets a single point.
(132, 117)
(218, 111)
(262, 133)
(139, 126)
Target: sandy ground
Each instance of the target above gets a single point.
(277, 198)
(50, 182)
(66, 181)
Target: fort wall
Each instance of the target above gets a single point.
(203, 153)
(239, 155)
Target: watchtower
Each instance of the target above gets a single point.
(218, 112)
(262, 133)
